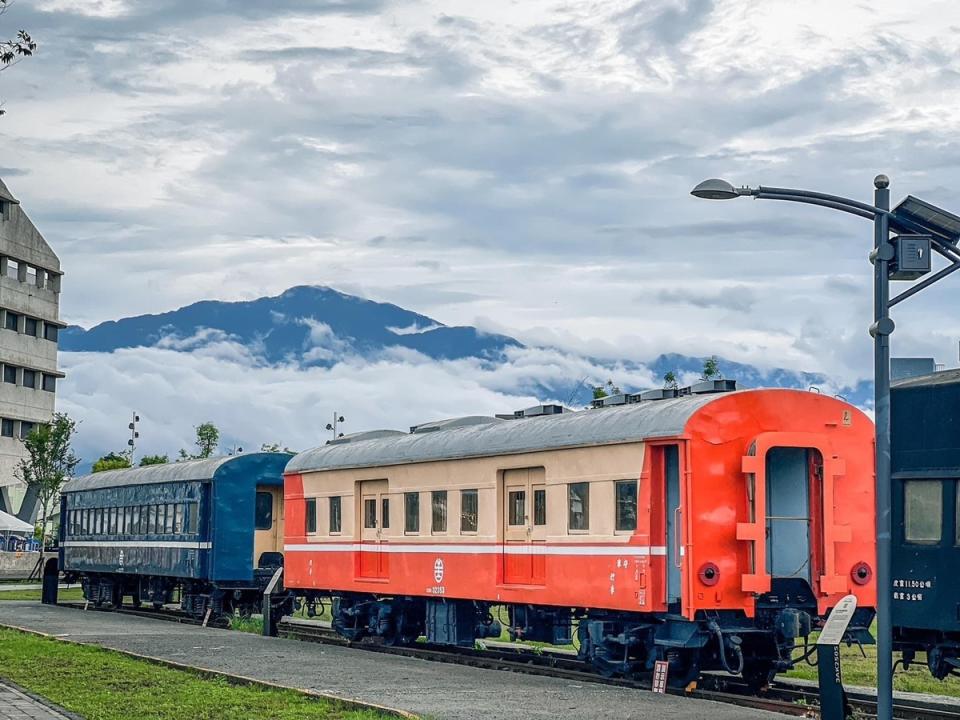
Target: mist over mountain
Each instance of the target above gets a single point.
(315, 326)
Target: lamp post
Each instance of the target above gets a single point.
(923, 227)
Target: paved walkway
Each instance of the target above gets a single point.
(14, 705)
(434, 690)
(4, 587)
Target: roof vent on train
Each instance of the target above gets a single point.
(535, 411)
(365, 435)
(705, 387)
(467, 421)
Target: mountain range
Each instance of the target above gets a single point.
(315, 325)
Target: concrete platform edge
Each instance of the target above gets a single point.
(212, 674)
(41, 700)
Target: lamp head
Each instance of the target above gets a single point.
(715, 189)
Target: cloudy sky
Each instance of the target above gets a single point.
(519, 165)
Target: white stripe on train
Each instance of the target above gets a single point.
(468, 549)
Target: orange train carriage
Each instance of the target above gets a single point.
(713, 530)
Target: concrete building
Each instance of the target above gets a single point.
(29, 331)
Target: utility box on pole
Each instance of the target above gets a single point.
(912, 257)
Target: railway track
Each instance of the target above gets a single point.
(781, 697)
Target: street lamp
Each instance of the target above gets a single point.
(922, 227)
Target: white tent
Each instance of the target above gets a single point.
(10, 524)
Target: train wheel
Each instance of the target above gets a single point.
(757, 674)
(684, 667)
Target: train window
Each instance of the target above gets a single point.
(517, 503)
(135, 520)
(311, 515)
(370, 513)
(178, 518)
(144, 513)
(923, 511)
(626, 496)
(411, 512)
(194, 516)
(540, 507)
(578, 502)
(151, 519)
(168, 521)
(385, 513)
(336, 518)
(128, 521)
(85, 521)
(114, 514)
(264, 511)
(469, 507)
(438, 511)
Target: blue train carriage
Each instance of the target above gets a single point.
(926, 528)
(211, 530)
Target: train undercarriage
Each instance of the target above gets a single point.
(197, 598)
(613, 643)
(942, 650)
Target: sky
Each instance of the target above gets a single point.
(520, 166)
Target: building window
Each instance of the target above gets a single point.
(578, 502)
(26, 428)
(336, 517)
(29, 378)
(263, 514)
(923, 511)
(50, 383)
(51, 332)
(13, 269)
(12, 322)
(311, 515)
(540, 507)
(411, 512)
(31, 326)
(6, 427)
(469, 507)
(517, 503)
(385, 513)
(10, 374)
(370, 513)
(438, 505)
(31, 275)
(626, 499)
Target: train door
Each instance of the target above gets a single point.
(788, 513)
(524, 526)
(268, 534)
(374, 520)
(671, 474)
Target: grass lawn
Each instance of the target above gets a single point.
(104, 685)
(68, 594)
(860, 670)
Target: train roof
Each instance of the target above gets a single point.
(944, 377)
(606, 426)
(185, 471)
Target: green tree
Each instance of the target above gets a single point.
(16, 49)
(208, 437)
(605, 390)
(49, 463)
(112, 461)
(154, 460)
(670, 380)
(711, 369)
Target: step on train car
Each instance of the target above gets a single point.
(925, 459)
(212, 529)
(713, 530)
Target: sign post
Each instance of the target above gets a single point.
(833, 700)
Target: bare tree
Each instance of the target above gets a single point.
(16, 49)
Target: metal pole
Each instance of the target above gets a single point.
(881, 330)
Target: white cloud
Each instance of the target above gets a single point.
(252, 404)
(528, 164)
